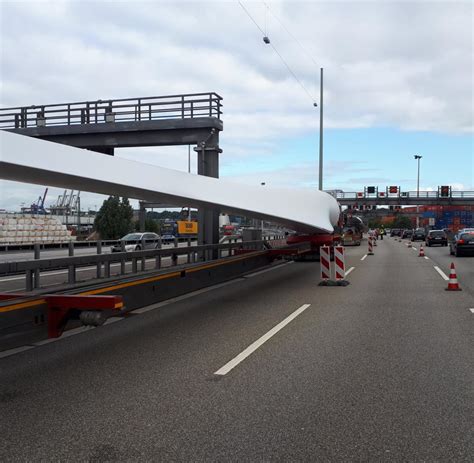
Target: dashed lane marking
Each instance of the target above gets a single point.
(364, 257)
(472, 310)
(350, 270)
(259, 342)
(443, 275)
(427, 258)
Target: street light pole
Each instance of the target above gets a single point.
(189, 171)
(321, 131)
(418, 158)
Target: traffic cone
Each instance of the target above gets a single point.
(453, 284)
(422, 251)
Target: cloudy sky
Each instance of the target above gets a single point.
(398, 81)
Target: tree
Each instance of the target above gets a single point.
(375, 222)
(114, 219)
(402, 221)
(150, 226)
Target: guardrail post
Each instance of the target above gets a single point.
(189, 253)
(174, 257)
(99, 264)
(143, 258)
(134, 265)
(122, 261)
(29, 280)
(158, 257)
(71, 269)
(107, 269)
(37, 253)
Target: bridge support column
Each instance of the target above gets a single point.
(208, 165)
(142, 216)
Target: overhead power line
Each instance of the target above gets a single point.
(278, 53)
(304, 50)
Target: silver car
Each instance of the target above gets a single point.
(137, 242)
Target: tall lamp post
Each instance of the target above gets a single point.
(320, 183)
(418, 158)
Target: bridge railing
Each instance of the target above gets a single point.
(116, 110)
(402, 194)
(102, 262)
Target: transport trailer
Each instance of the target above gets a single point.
(314, 242)
(41, 314)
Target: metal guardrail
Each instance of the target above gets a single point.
(66, 244)
(200, 253)
(117, 110)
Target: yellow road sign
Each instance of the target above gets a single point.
(187, 228)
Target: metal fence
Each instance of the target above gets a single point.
(117, 110)
(403, 194)
(103, 262)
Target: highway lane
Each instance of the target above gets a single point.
(439, 256)
(380, 370)
(464, 265)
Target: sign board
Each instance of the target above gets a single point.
(187, 228)
(431, 221)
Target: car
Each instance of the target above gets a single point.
(436, 237)
(419, 234)
(462, 244)
(465, 230)
(395, 232)
(137, 242)
(407, 234)
(167, 238)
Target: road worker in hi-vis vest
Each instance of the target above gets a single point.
(382, 232)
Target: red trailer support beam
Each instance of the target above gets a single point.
(61, 306)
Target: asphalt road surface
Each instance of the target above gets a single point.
(267, 367)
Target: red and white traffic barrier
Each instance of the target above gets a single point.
(453, 284)
(371, 246)
(339, 263)
(325, 258)
(339, 266)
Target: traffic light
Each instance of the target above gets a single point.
(445, 191)
(371, 190)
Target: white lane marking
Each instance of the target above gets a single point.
(111, 320)
(427, 258)
(443, 275)
(251, 275)
(472, 310)
(364, 257)
(414, 249)
(17, 350)
(259, 342)
(350, 270)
